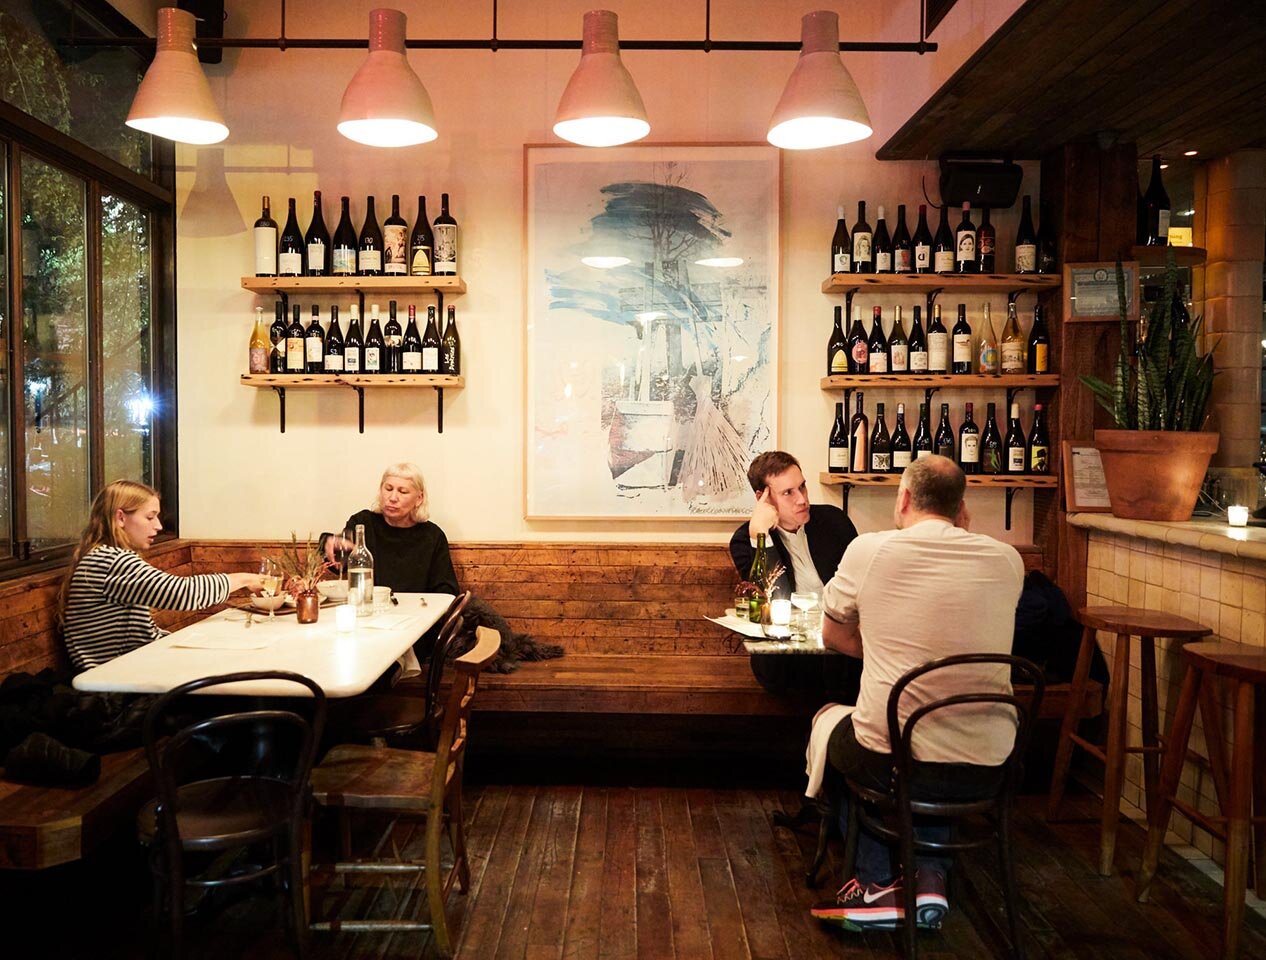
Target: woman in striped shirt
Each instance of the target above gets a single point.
(108, 591)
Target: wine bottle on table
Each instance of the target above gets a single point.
(918, 344)
(880, 444)
(882, 245)
(837, 443)
(354, 345)
(1011, 348)
(965, 244)
(451, 346)
(369, 244)
(333, 344)
(317, 241)
(858, 351)
(372, 356)
(837, 347)
(962, 342)
(314, 343)
(1039, 344)
(296, 346)
(943, 442)
(841, 245)
(343, 257)
(393, 341)
(1026, 240)
(1039, 453)
(877, 344)
(395, 242)
(266, 242)
(943, 250)
(938, 343)
(290, 247)
(260, 346)
(987, 243)
(863, 242)
(859, 440)
(987, 345)
(902, 449)
(921, 445)
(360, 576)
(421, 243)
(445, 241)
(277, 337)
(411, 348)
(902, 249)
(760, 562)
(922, 243)
(1156, 209)
(969, 443)
(1015, 449)
(898, 346)
(991, 454)
(431, 343)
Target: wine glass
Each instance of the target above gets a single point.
(270, 580)
(342, 550)
(804, 601)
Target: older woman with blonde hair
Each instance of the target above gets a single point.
(410, 551)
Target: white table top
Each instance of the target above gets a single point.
(755, 641)
(343, 664)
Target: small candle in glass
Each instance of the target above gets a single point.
(1237, 516)
(780, 612)
(345, 618)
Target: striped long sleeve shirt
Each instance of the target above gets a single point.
(109, 600)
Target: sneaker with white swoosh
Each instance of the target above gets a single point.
(857, 907)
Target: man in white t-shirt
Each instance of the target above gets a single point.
(928, 589)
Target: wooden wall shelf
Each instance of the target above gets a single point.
(281, 382)
(1011, 484)
(453, 286)
(965, 381)
(1153, 258)
(881, 283)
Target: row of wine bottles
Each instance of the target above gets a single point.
(292, 348)
(938, 351)
(390, 250)
(967, 248)
(1152, 224)
(856, 448)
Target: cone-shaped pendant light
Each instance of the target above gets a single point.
(601, 106)
(821, 105)
(386, 105)
(174, 100)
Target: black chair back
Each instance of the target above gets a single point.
(452, 626)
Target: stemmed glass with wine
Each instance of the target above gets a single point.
(270, 580)
(342, 549)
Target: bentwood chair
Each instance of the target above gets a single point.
(256, 802)
(408, 785)
(907, 797)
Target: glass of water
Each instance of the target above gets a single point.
(805, 603)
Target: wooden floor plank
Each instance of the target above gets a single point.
(584, 915)
(751, 865)
(485, 808)
(487, 914)
(527, 876)
(654, 909)
(547, 924)
(618, 926)
(685, 888)
(727, 935)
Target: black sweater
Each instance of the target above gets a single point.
(407, 559)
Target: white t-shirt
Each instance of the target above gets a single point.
(931, 590)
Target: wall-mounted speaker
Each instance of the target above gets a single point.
(982, 182)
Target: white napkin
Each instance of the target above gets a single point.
(384, 621)
(745, 627)
(223, 636)
(827, 719)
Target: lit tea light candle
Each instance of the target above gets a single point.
(345, 618)
(780, 612)
(1237, 516)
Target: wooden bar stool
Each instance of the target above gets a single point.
(1125, 622)
(1244, 668)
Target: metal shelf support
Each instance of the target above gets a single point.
(281, 395)
(439, 415)
(360, 408)
(1010, 494)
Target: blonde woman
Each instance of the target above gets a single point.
(410, 552)
(106, 597)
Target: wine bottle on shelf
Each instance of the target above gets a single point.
(411, 348)
(290, 247)
(943, 442)
(1156, 209)
(393, 341)
(1011, 349)
(880, 444)
(965, 244)
(877, 345)
(266, 242)
(431, 343)
(360, 576)
(369, 244)
(922, 243)
(445, 241)
(333, 344)
(841, 245)
(837, 443)
(991, 461)
(421, 243)
(395, 242)
(257, 358)
(962, 341)
(1039, 344)
(938, 343)
(837, 347)
(859, 440)
(898, 346)
(987, 243)
(918, 344)
(1015, 449)
(863, 242)
(902, 449)
(372, 356)
(1026, 240)
(921, 445)
(343, 257)
(317, 241)
(1045, 244)
(858, 350)
(277, 337)
(354, 344)
(987, 349)
(902, 250)
(314, 343)
(969, 443)
(451, 346)
(1039, 453)
(296, 346)
(943, 250)
(882, 245)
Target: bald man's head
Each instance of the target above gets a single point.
(936, 486)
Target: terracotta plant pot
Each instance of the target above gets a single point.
(308, 607)
(1154, 474)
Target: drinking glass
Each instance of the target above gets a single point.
(270, 580)
(804, 602)
(342, 550)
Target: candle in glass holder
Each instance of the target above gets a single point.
(780, 612)
(1237, 516)
(345, 618)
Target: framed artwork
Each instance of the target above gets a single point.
(651, 289)
(1091, 289)
(1085, 490)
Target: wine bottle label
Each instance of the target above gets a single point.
(842, 262)
(838, 458)
(966, 246)
(991, 462)
(988, 357)
(878, 361)
(371, 360)
(266, 251)
(970, 448)
(918, 361)
(962, 348)
(1015, 459)
(859, 459)
(839, 361)
(901, 261)
(898, 354)
(1041, 358)
(412, 361)
(901, 459)
(431, 359)
(883, 262)
(450, 361)
(916, 453)
(259, 360)
(333, 363)
(369, 260)
(290, 264)
(446, 248)
(351, 360)
(315, 349)
(393, 340)
(1162, 226)
(880, 462)
(344, 261)
(1012, 356)
(1025, 257)
(421, 266)
(943, 261)
(861, 248)
(922, 256)
(861, 353)
(1039, 459)
(986, 242)
(945, 450)
(316, 256)
(395, 247)
(938, 348)
(294, 355)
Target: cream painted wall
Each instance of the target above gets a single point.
(240, 478)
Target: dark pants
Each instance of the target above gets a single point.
(823, 678)
(932, 781)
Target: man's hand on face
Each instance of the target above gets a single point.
(764, 515)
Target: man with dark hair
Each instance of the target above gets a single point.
(928, 589)
(808, 540)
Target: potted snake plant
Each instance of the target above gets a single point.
(1155, 460)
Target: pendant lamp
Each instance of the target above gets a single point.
(821, 105)
(601, 106)
(174, 100)
(386, 105)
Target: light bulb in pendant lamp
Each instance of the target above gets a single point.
(386, 105)
(601, 106)
(821, 105)
(174, 100)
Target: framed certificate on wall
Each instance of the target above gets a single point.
(1092, 294)
(1085, 490)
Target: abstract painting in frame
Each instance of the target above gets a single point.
(652, 328)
